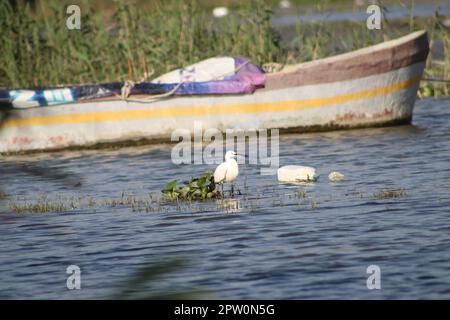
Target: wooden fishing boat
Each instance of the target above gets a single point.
(373, 86)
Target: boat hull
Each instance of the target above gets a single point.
(374, 99)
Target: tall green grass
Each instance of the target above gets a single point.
(438, 63)
(38, 50)
(119, 40)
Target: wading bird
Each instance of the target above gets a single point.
(227, 171)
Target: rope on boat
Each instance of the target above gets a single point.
(126, 89)
(151, 98)
(128, 85)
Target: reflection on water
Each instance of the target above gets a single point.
(273, 241)
(229, 205)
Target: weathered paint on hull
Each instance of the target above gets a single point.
(375, 100)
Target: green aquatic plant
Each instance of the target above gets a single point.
(200, 188)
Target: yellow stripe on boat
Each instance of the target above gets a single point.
(171, 112)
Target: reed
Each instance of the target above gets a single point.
(123, 41)
(38, 50)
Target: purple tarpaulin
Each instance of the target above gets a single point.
(247, 79)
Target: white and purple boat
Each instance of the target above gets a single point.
(373, 86)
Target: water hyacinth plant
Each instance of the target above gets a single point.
(200, 188)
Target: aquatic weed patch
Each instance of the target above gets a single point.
(390, 193)
(200, 188)
(80, 203)
(42, 205)
(260, 199)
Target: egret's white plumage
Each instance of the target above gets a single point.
(227, 171)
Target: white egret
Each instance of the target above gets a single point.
(227, 171)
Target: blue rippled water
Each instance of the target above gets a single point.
(271, 244)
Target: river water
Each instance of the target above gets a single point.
(274, 242)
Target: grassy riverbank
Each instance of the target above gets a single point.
(125, 41)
